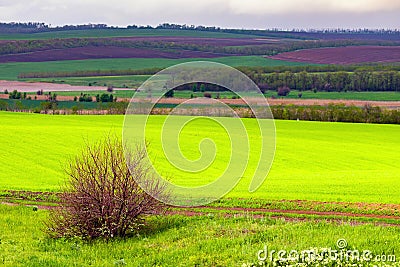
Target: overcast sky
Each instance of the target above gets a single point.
(258, 14)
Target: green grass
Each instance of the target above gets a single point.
(182, 241)
(135, 82)
(367, 96)
(99, 33)
(10, 71)
(314, 161)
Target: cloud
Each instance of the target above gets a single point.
(224, 13)
(259, 7)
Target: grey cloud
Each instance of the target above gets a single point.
(224, 13)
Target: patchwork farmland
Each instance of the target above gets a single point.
(329, 181)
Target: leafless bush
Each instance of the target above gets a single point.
(283, 91)
(102, 197)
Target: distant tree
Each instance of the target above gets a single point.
(208, 95)
(6, 92)
(303, 80)
(85, 98)
(105, 98)
(15, 95)
(3, 105)
(283, 91)
(110, 88)
(46, 106)
(169, 94)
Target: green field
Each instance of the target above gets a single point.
(314, 161)
(182, 241)
(10, 71)
(101, 33)
(366, 96)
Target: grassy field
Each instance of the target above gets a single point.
(314, 161)
(183, 241)
(99, 33)
(10, 71)
(367, 96)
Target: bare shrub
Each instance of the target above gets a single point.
(110, 88)
(208, 95)
(283, 91)
(102, 197)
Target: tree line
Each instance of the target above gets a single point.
(359, 80)
(42, 27)
(330, 113)
(337, 113)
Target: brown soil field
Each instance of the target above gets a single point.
(46, 87)
(298, 102)
(344, 55)
(82, 53)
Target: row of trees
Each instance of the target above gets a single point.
(103, 98)
(305, 34)
(337, 113)
(331, 81)
(360, 80)
(330, 113)
(40, 26)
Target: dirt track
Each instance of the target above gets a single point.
(262, 213)
(335, 211)
(46, 87)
